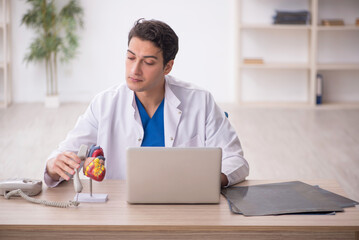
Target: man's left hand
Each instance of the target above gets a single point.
(224, 180)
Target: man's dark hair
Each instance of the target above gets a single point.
(159, 33)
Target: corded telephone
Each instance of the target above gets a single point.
(26, 188)
(29, 187)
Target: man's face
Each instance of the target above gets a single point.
(144, 67)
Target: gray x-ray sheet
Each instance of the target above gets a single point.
(283, 198)
(340, 200)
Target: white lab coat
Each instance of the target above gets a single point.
(191, 119)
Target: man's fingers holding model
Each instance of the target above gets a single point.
(61, 173)
(72, 156)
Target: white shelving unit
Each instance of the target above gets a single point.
(5, 78)
(308, 61)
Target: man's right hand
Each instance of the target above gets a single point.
(64, 163)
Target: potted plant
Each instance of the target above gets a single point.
(55, 39)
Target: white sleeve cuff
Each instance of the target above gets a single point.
(235, 172)
(49, 181)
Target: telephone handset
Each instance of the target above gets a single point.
(82, 154)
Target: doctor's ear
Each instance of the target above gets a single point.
(168, 67)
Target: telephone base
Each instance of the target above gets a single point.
(86, 197)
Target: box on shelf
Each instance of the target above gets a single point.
(332, 22)
(253, 61)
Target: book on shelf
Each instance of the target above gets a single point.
(357, 22)
(291, 17)
(253, 61)
(332, 22)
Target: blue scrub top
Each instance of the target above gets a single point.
(154, 133)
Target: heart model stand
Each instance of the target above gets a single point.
(95, 170)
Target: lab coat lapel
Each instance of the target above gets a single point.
(172, 115)
(135, 119)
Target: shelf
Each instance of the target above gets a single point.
(338, 66)
(338, 28)
(276, 26)
(304, 66)
(300, 48)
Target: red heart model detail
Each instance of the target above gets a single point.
(97, 152)
(96, 170)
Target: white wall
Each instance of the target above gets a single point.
(205, 29)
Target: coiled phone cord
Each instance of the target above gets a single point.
(41, 201)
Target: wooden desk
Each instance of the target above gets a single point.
(118, 219)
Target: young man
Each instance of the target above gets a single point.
(151, 109)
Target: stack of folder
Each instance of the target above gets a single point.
(284, 198)
(292, 17)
